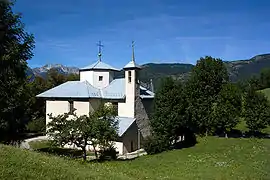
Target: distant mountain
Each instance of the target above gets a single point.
(243, 69)
(42, 71)
(239, 69)
(157, 71)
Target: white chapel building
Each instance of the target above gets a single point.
(98, 84)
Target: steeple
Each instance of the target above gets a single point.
(132, 64)
(99, 50)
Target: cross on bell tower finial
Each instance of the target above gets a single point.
(99, 50)
(133, 55)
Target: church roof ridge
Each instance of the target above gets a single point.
(99, 65)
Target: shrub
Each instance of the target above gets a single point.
(154, 145)
(108, 154)
(37, 125)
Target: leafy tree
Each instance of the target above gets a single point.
(265, 78)
(254, 83)
(99, 128)
(54, 78)
(203, 87)
(227, 109)
(35, 106)
(73, 77)
(169, 118)
(256, 111)
(16, 47)
(37, 125)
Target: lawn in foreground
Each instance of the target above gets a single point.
(266, 92)
(211, 158)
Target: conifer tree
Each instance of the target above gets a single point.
(15, 49)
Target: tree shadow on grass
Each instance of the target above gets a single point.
(71, 153)
(108, 160)
(77, 154)
(259, 135)
(189, 140)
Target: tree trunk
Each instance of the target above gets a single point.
(84, 153)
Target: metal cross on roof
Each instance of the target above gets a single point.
(99, 50)
(133, 55)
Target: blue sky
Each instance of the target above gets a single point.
(67, 31)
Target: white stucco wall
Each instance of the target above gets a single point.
(131, 135)
(61, 107)
(56, 108)
(105, 81)
(93, 78)
(127, 108)
(86, 76)
(82, 108)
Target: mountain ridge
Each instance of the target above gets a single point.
(238, 69)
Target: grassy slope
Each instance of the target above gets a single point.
(266, 92)
(211, 158)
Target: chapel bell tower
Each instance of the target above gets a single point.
(131, 84)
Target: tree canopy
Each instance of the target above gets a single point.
(202, 89)
(227, 108)
(256, 111)
(16, 47)
(99, 128)
(170, 105)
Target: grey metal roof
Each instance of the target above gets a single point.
(115, 90)
(83, 89)
(132, 64)
(99, 65)
(145, 93)
(72, 89)
(124, 123)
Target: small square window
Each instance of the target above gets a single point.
(100, 78)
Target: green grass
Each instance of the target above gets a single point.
(211, 158)
(266, 92)
(39, 144)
